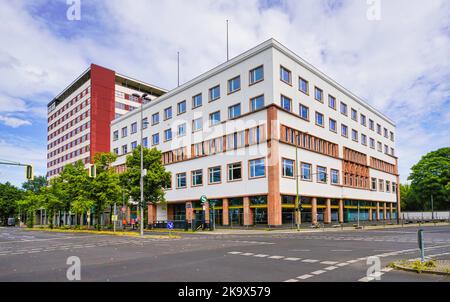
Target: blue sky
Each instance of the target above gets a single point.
(399, 62)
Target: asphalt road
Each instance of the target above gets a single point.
(279, 257)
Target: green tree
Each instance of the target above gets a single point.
(409, 200)
(50, 200)
(9, 196)
(35, 185)
(29, 204)
(156, 179)
(431, 177)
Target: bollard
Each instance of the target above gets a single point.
(421, 245)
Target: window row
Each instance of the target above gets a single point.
(69, 135)
(69, 156)
(70, 124)
(69, 114)
(381, 185)
(69, 104)
(288, 170)
(57, 171)
(72, 144)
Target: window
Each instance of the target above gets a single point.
(303, 85)
(181, 107)
(374, 184)
(197, 101)
(392, 151)
(388, 186)
(256, 75)
(380, 185)
(386, 149)
(234, 171)
(215, 175)
(318, 94)
(394, 187)
(344, 130)
(257, 168)
(286, 103)
(306, 171)
(372, 143)
(332, 102)
(319, 119)
(155, 139)
(124, 131)
(363, 139)
(197, 178)
(145, 142)
(155, 118)
(181, 180)
(214, 93)
(379, 129)
(334, 177)
(168, 134)
(116, 151)
(257, 103)
(234, 84)
(116, 135)
(288, 167)
(392, 136)
(354, 135)
(133, 145)
(333, 125)
(343, 108)
(321, 174)
(124, 149)
(354, 115)
(214, 118)
(197, 124)
(371, 125)
(234, 111)
(386, 133)
(182, 129)
(379, 146)
(363, 120)
(168, 113)
(285, 75)
(144, 123)
(304, 112)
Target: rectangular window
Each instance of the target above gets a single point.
(318, 94)
(182, 129)
(155, 118)
(388, 186)
(133, 145)
(354, 135)
(197, 101)
(363, 120)
(116, 151)
(319, 119)
(306, 171)
(214, 93)
(373, 184)
(168, 113)
(145, 142)
(214, 118)
(288, 167)
(334, 177)
(344, 130)
(354, 115)
(234, 111)
(392, 136)
(379, 146)
(394, 187)
(155, 139)
(303, 85)
(181, 107)
(124, 131)
(286, 103)
(379, 129)
(116, 135)
(215, 175)
(256, 75)
(332, 102)
(133, 128)
(168, 135)
(197, 178)
(234, 171)
(392, 151)
(197, 124)
(380, 185)
(181, 180)
(343, 108)
(372, 143)
(386, 133)
(386, 149)
(333, 125)
(124, 149)
(363, 139)
(321, 174)
(304, 112)
(257, 168)
(257, 103)
(285, 75)
(234, 84)
(144, 123)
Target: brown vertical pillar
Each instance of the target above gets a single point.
(378, 211)
(225, 219)
(314, 210)
(341, 211)
(273, 168)
(370, 213)
(397, 190)
(384, 210)
(128, 215)
(189, 211)
(170, 214)
(206, 209)
(391, 210)
(151, 217)
(247, 212)
(328, 211)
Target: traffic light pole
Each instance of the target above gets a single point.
(29, 172)
(297, 207)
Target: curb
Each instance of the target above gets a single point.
(407, 269)
(104, 233)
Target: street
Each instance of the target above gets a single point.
(338, 256)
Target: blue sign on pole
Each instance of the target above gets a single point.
(170, 225)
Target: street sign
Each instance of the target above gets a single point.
(203, 199)
(114, 217)
(170, 225)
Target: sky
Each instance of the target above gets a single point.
(395, 54)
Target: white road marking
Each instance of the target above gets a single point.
(353, 261)
(330, 268)
(291, 280)
(343, 264)
(329, 262)
(387, 269)
(276, 257)
(292, 259)
(234, 253)
(310, 260)
(247, 254)
(318, 272)
(261, 255)
(303, 277)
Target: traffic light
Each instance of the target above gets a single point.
(92, 171)
(29, 172)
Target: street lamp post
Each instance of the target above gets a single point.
(297, 170)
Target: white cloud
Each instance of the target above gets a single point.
(13, 121)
